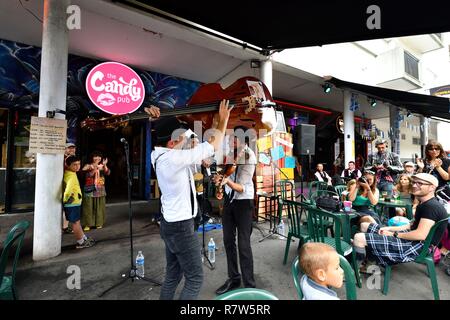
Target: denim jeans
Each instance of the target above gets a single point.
(182, 258)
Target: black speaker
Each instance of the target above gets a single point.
(305, 139)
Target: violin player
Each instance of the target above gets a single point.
(172, 164)
(238, 212)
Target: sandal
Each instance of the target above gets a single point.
(67, 230)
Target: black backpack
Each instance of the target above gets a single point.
(328, 202)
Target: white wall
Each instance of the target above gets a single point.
(443, 134)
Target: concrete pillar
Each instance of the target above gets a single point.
(266, 73)
(394, 133)
(349, 129)
(424, 129)
(49, 167)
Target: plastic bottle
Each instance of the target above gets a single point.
(140, 264)
(211, 251)
(281, 230)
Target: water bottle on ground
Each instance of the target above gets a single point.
(211, 251)
(140, 264)
(281, 230)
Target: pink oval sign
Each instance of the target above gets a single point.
(115, 88)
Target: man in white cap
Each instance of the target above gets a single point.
(392, 245)
(409, 168)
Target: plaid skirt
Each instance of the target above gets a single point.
(389, 250)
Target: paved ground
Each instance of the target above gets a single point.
(102, 266)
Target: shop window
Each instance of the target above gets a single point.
(3, 156)
(24, 163)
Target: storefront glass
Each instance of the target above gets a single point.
(24, 167)
(3, 156)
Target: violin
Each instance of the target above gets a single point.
(252, 101)
(228, 171)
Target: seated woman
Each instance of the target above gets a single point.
(364, 195)
(404, 190)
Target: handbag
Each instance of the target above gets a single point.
(328, 202)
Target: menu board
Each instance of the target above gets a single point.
(48, 135)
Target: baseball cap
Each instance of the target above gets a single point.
(409, 164)
(426, 177)
(70, 144)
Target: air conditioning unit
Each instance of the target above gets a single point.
(399, 69)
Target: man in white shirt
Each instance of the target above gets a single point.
(351, 172)
(321, 175)
(173, 168)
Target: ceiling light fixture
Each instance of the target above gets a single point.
(326, 88)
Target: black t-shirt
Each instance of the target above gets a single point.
(434, 172)
(433, 210)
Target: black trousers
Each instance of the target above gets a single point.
(238, 216)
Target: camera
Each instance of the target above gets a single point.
(362, 180)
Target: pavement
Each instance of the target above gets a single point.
(108, 262)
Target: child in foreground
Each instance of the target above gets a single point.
(320, 265)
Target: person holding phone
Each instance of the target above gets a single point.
(94, 198)
(364, 195)
(437, 164)
(386, 166)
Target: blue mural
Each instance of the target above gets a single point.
(19, 84)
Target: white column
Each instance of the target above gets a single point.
(395, 129)
(266, 73)
(424, 127)
(49, 167)
(349, 130)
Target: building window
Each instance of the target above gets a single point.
(411, 65)
(416, 141)
(403, 136)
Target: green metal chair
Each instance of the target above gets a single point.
(312, 201)
(7, 282)
(247, 294)
(339, 189)
(297, 217)
(349, 276)
(425, 257)
(317, 225)
(281, 189)
(316, 186)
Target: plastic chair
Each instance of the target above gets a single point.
(297, 223)
(281, 189)
(349, 276)
(317, 219)
(339, 189)
(247, 294)
(7, 283)
(425, 257)
(315, 186)
(312, 201)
